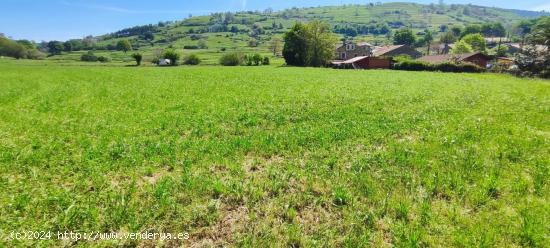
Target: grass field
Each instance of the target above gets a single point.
(274, 156)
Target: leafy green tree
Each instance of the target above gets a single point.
(476, 41)
(320, 43)
(137, 57)
(12, 49)
(447, 38)
(55, 47)
(275, 46)
(404, 37)
(295, 48)
(456, 30)
(27, 44)
(471, 29)
(462, 47)
(68, 46)
(540, 34)
(428, 39)
(172, 55)
(124, 45)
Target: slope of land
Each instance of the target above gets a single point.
(215, 35)
(256, 156)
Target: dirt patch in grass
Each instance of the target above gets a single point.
(232, 221)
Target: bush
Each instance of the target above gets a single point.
(103, 59)
(192, 59)
(266, 61)
(172, 55)
(443, 67)
(88, 57)
(137, 57)
(191, 47)
(411, 65)
(231, 59)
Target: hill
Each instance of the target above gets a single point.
(250, 31)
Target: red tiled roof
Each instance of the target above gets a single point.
(379, 51)
(435, 59)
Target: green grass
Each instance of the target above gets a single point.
(258, 156)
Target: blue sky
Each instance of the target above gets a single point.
(64, 19)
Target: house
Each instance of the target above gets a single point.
(396, 50)
(350, 50)
(364, 62)
(478, 59)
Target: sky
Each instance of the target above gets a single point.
(66, 19)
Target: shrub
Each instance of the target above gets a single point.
(462, 67)
(192, 59)
(137, 57)
(172, 55)
(266, 61)
(411, 65)
(191, 47)
(231, 59)
(89, 57)
(103, 59)
(443, 67)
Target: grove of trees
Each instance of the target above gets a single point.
(310, 44)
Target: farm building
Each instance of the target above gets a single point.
(350, 50)
(364, 62)
(479, 59)
(396, 50)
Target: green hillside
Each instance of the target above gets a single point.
(251, 31)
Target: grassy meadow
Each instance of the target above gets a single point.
(274, 156)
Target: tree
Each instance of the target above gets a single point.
(462, 47)
(428, 38)
(447, 38)
(476, 41)
(457, 31)
(320, 43)
(68, 46)
(172, 55)
(137, 57)
(540, 33)
(124, 45)
(471, 29)
(295, 48)
(275, 46)
(404, 37)
(55, 47)
(311, 44)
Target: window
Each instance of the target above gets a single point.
(350, 46)
(343, 55)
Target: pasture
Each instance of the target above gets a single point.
(274, 156)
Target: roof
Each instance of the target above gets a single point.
(435, 59)
(379, 51)
(351, 61)
(340, 44)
